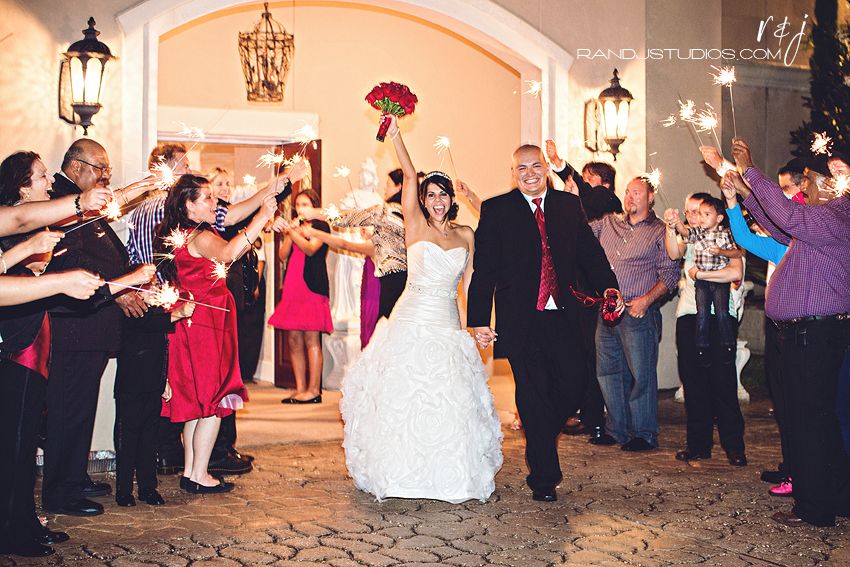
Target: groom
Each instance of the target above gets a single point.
(529, 246)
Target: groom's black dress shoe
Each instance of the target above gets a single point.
(49, 537)
(637, 444)
(689, 455)
(152, 498)
(93, 489)
(82, 507)
(544, 495)
(599, 437)
(125, 500)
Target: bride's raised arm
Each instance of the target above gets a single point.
(414, 219)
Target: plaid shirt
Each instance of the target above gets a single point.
(703, 239)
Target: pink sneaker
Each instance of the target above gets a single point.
(782, 489)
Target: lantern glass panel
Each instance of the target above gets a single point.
(77, 82)
(623, 119)
(94, 72)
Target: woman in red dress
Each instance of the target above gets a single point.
(304, 307)
(204, 383)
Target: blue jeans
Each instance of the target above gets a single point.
(727, 327)
(626, 360)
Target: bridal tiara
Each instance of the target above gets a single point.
(436, 174)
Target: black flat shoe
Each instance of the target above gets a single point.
(316, 400)
(28, 549)
(242, 456)
(544, 495)
(688, 455)
(184, 482)
(230, 465)
(49, 537)
(774, 477)
(125, 500)
(197, 488)
(152, 498)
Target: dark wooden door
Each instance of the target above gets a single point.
(283, 375)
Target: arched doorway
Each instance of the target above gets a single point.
(482, 22)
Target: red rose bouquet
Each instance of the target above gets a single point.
(391, 98)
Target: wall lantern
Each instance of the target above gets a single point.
(81, 78)
(606, 119)
(266, 54)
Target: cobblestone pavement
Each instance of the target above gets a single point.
(615, 508)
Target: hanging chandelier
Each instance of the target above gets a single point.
(266, 54)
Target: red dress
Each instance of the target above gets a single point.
(203, 361)
(300, 309)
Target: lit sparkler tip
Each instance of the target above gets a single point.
(112, 210)
(305, 134)
(270, 158)
(342, 171)
(687, 110)
(841, 185)
(177, 239)
(669, 121)
(705, 120)
(165, 295)
(654, 178)
(331, 213)
(725, 76)
(821, 144)
(192, 132)
(219, 271)
(534, 88)
(249, 180)
(442, 143)
(165, 174)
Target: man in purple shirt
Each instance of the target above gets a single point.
(808, 301)
(627, 353)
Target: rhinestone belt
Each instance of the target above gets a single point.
(432, 291)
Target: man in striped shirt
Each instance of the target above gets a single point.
(627, 353)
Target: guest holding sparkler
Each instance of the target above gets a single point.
(204, 383)
(304, 307)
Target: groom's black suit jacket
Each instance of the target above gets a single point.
(508, 257)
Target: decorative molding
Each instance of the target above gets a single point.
(773, 77)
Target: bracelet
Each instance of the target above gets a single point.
(397, 132)
(78, 210)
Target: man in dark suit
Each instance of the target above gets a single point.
(82, 344)
(529, 246)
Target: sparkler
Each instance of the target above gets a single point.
(840, 185)
(726, 77)
(345, 171)
(166, 175)
(534, 88)
(669, 121)
(707, 120)
(112, 210)
(654, 178)
(158, 295)
(270, 158)
(177, 239)
(191, 132)
(220, 269)
(331, 213)
(249, 180)
(821, 144)
(443, 144)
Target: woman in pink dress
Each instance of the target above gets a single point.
(204, 383)
(304, 308)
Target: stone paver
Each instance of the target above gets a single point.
(298, 508)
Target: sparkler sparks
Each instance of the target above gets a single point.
(331, 213)
(686, 110)
(191, 132)
(219, 271)
(442, 144)
(177, 239)
(841, 185)
(705, 120)
(249, 180)
(165, 174)
(669, 121)
(164, 296)
(270, 158)
(534, 88)
(654, 178)
(821, 144)
(342, 171)
(305, 135)
(112, 210)
(725, 76)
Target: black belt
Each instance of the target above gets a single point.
(788, 323)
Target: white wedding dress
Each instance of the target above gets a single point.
(419, 417)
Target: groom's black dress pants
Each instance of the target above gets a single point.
(549, 374)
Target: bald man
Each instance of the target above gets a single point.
(82, 343)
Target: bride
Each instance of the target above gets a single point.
(419, 417)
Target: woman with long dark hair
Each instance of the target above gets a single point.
(204, 383)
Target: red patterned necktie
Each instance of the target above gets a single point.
(548, 279)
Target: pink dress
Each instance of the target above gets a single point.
(300, 309)
(203, 360)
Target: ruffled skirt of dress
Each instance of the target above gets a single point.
(419, 416)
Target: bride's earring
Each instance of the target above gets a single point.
(25, 194)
